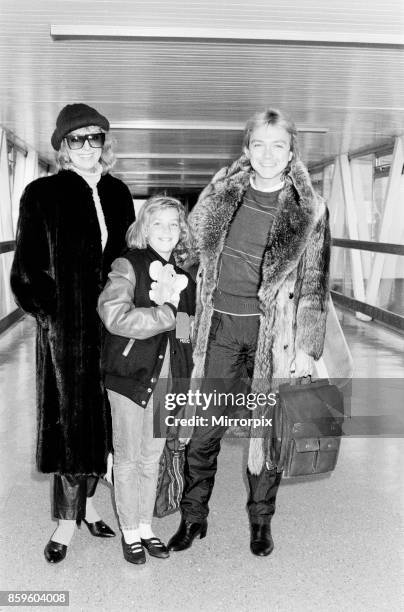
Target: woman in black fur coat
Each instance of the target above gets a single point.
(72, 226)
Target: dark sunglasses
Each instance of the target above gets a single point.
(96, 141)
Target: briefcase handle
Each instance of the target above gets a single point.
(302, 380)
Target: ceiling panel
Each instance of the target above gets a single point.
(354, 91)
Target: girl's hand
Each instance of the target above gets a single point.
(302, 365)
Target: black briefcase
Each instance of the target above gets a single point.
(307, 427)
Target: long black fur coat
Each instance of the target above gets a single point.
(59, 270)
(293, 294)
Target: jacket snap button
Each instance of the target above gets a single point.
(152, 380)
(149, 390)
(143, 402)
(160, 356)
(291, 295)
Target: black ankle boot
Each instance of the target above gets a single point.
(261, 543)
(187, 532)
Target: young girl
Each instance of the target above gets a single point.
(144, 344)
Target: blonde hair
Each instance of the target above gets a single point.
(272, 116)
(136, 234)
(107, 159)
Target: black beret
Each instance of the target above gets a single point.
(74, 116)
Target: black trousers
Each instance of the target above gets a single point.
(70, 494)
(229, 366)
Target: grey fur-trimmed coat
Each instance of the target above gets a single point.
(293, 294)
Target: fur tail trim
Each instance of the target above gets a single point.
(256, 456)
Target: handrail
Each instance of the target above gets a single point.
(7, 246)
(365, 245)
(11, 318)
(383, 148)
(380, 314)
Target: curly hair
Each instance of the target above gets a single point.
(136, 234)
(107, 159)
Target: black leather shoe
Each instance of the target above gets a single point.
(187, 532)
(155, 548)
(133, 553)
(55, 552)
(99, 529)
(261, 543)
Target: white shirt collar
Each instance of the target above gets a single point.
(269, 189)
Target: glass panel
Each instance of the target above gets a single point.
(18, 187)
(379, 195)
(384, 160)
(340, 271)
(362, 185)
(391, 289)
(6, 223)
(11, 154)
(7, 303)
(317, 181)
(328, 174)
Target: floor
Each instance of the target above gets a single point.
(339, 540)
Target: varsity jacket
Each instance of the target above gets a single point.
(138, 330)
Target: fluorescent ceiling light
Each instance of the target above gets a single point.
(150, 124)
(167, 182)
(178, 172)
(226, 126)
(198, 156)
(254, 35)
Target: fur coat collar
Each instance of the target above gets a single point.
(299, 233)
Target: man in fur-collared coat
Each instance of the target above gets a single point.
(263, 242)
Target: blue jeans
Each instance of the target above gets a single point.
(136, 460)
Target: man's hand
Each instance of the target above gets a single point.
(302, 365)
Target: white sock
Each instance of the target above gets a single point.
(92, 515)
(64, 532)
(131, 535)
(145, 531)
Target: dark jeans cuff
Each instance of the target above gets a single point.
(261, 519)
